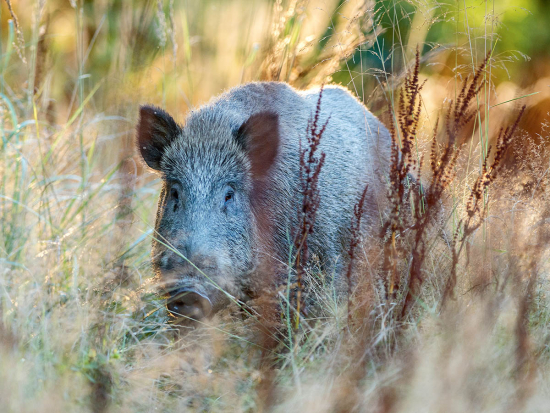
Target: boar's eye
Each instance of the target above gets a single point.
(175, 196)
(229, 194)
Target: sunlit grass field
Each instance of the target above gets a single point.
(82, 327)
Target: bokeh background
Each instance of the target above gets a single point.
(182, 53)
(178, 54)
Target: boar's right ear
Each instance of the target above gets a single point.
(155, 130)
(259, 137)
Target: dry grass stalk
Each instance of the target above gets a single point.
(20, 45)
(310, 168)
(358, 210)
(403, 162)
(476, 209)
(282, 40)
(41, 55)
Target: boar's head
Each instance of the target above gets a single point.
(204, 245)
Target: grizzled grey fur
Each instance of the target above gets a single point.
(231, 180)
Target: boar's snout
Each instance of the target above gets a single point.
(189, 303)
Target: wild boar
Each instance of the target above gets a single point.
(231, 187)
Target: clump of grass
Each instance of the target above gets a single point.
(476, 205)
(313, 60)
(415, 223)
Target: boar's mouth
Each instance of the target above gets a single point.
(188, 303)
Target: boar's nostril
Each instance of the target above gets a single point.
(189, 303)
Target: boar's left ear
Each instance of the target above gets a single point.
(155, 130)
(259, 137)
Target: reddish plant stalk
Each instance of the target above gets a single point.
(358, 211)
(310, 168)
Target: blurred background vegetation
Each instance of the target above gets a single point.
(178, 54)
(77, 208)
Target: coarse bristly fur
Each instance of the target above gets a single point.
(231, 185)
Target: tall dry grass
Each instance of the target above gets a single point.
(447, 308)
